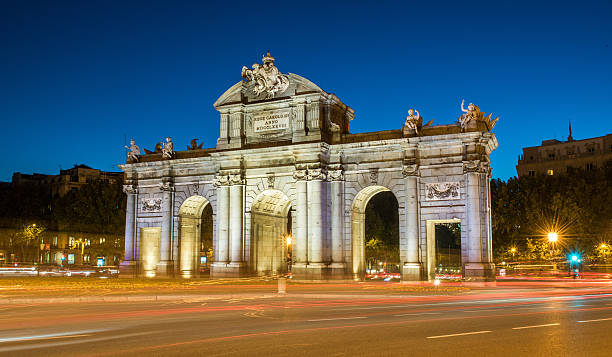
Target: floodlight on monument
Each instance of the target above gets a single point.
(288, 239)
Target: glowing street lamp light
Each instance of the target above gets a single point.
(553, 237)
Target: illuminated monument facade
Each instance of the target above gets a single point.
(285, 165)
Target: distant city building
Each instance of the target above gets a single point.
(556, 157)
(68, 180)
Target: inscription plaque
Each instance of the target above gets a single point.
(271, 121)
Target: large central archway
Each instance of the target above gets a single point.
(195, 225)
(358, 226)
(270, 227)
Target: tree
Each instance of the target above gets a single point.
(576, 205)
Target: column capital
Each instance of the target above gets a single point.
(317, 174)
(222, 180)
(166, 186)
(301, 172)
(410, 170)
(130, 189)
(477, 166)
(236, 179)
(336, 175)
(410, 167)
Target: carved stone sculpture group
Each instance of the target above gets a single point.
(267, 77)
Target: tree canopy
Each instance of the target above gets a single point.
(576, 205)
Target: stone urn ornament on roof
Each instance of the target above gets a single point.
(268, 79)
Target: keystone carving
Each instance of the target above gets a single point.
(271, 179)
(374, 176)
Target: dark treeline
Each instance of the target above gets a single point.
(576, 205)
(97, 207)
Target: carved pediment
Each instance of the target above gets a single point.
(239, 92)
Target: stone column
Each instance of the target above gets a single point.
(316, 231)
(301, 230)
(236, 217)
(223, 206)
(412, 269)
(337, 220)
(128, 265)
(164, 267)
(477, 266)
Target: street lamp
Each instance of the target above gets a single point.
(553, 237)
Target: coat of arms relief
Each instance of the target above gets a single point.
(268, 79)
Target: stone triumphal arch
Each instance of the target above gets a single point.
(287, 185)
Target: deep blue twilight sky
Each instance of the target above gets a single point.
(76, 77)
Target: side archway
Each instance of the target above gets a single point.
(190, 228)
(358, 227)
(270, 225)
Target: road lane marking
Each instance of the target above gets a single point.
(460, 334)
(420, 314)
(481, 310)
(534, 326)
(49, 336)
(606, 319)
(339, 318)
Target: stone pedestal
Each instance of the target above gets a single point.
(480, 271)
(165, 269)
(337, 271)
(412, 272)
(128, 269)
(228, 270)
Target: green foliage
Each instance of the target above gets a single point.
(382, 228)
(97, 207)
(576, 205)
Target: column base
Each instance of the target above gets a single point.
(480, 271)
(412, 272)
(229, 270)
(311, 271)
(165, 269)
(128, 269)
(337, 271)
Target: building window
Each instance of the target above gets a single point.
(55, 241)
(591, 149)
(70, 242)
(590, 166)
(551, 155)
(531, 173)
(531, 158)
(550, 172)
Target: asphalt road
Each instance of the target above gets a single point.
(495, 322)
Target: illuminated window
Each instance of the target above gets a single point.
(550, 172)
(70, 241)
